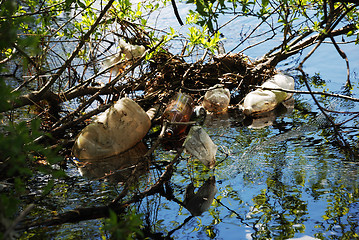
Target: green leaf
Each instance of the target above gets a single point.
(80, 4)
(265, 3)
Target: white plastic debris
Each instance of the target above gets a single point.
(127, 53)
(217, 99)
(266, 100)
(201, 146)
(264, 119)
(114, 131)
(283, 81)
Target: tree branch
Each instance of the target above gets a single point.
(176, 12)
(38, 95)
(311, 92)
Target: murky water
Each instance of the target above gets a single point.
(285, 180)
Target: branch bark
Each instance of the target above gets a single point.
(296, 46)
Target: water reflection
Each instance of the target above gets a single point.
(117, 168)
(278, 211)
(199, 202)
(217, 120)
(265, 119)
(302, 192)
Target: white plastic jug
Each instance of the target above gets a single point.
(114, 131)
(217, 99)
(266, 100)
(127, 53)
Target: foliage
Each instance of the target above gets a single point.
(295, 19)
(124, 226)
(20, 159)
(200, 37)
(294, 15)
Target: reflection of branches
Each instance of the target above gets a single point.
(234, 212)
(342, 142)
(81, 214)
(179, 227)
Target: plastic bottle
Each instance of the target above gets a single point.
(260, 100)
(179, 109)
(201, 146)
(217, 99)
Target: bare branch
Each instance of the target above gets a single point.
(311, 92)
(37, 95)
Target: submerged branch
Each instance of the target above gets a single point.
(340, 139)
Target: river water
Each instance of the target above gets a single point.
(287, 180)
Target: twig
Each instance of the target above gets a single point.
(176, 12)
(36, 95)
(17, 220)
(307, 92)
(344, 56)
(339, 137)
(60, 129)
(310, 53)
(348, 120)
(81, 214)
(255, 29)
(108, 85)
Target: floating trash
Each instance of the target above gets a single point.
(266, 100)
(127, 53)
(201, 146)
(114, 131)
(179, 109)
(265, 119)
(217, 99)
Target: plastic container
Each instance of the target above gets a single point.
(259, 101)
(266, 100)
(201, 146)
(126, 56)
(179, 109)
(114, 131)
(217, 99)
(280, 81)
